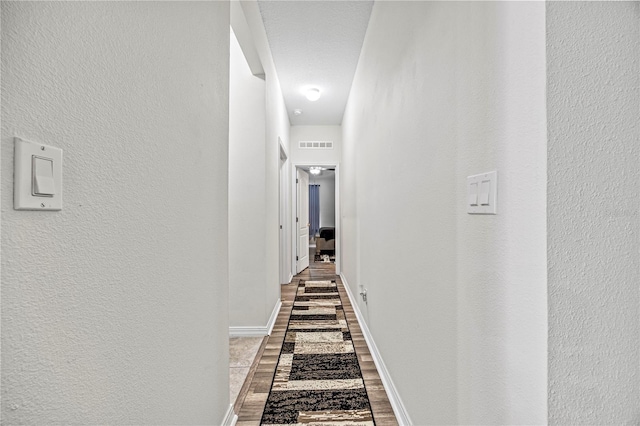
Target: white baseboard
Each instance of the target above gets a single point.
(247, 331)
(258, 331)
(394, 398)
(230, 417)
(273, 317)
(288, 282)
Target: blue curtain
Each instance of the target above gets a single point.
(314, 209)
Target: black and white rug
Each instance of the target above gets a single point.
(318, 380)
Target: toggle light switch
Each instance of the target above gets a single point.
(43, 183)
(37, 176)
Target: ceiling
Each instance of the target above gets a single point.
(315, 44)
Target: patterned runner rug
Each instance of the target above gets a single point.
(317, 380)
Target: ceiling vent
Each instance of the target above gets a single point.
(315, 144)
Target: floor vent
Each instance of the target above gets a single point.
(315, 144)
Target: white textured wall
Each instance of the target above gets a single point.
(316, 133)
(247, 199)
(114, 310)
(501, 260)
(445, 90)
(277, 127)
(398, 201)
(593, 54)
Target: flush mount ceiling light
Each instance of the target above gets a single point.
(297, 112)
(313, 94)
(315, 170)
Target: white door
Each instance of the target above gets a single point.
(302, 220)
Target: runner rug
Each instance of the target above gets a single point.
(317, 380)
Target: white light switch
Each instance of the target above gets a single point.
(473, 194)
(482, 191)
(38, 176)
(43, 184)
(485, 188)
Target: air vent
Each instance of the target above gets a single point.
(315, 144)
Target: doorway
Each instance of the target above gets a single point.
(316, 218)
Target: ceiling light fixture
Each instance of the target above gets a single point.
(297, 112)
(315, 170)
(313, 94)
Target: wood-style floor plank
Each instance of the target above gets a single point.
(258, 383)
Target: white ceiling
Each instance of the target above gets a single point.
(315, 43)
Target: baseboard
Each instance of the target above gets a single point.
(288, 282)
(259, 331)
(247, 331)
(230, 417)
(392, 393)
(273, 317)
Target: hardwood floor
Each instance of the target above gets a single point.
(256, 389)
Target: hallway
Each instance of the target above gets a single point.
(177, 226)
(253, 396)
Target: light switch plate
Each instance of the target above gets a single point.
(483, 189)
(25, 194)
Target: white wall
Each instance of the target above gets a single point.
(247, 198)
(442, 91)
(593, 52)
(327, 182)
(316, 133)
(411, 309)
(114, 310)
(277, 126)
(501, 260)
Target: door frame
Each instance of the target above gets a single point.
(294, 203)
(302, 220)
(283, 182)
